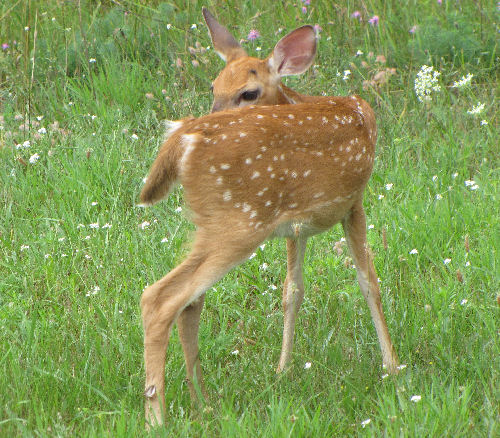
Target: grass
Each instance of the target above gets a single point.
(71, 345)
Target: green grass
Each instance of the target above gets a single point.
(71, 336)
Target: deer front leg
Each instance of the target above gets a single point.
(293, 294)
(355, 231)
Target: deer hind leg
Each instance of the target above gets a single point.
(355, 231)
(293, 294)
(188, 324)
(165, 300)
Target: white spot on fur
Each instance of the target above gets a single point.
(219, 181)
(307, 173)
(291, 116)
(318, 195)
(172, 126)
(294, 174)
(227, 196)
(256, 174)
(212, 169)
(246, 207)
(260, 116)
(253, 214)
(248, 161)
(225, 166)
(223, 136)
(263, 149)
(268, 203)
(258, 157)
(309, 118)
(189, 143)
(293, 205)
(243, 134)
(324, 120)
(358, 156)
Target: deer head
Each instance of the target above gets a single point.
(252, 81)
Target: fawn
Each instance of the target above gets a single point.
(267, 162)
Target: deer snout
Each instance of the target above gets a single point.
(217, 106)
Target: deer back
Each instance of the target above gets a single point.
(258, 167)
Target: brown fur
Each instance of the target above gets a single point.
(285, 164)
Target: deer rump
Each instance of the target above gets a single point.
(268, 164)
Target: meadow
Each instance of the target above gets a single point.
(84, 88)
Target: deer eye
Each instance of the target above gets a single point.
(250, 95)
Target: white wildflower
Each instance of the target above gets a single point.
(359, 53)
(389, 186)
(235, 352)
(401, 367)
(92, 60)
(476, 109)
(169, 26)
(384, 376)
(178, 209)
(134, 137)
(439, 197)
(42, 131)
(47, 256)
(434, 178)
(416, 398)
(426, 82)
(371, 227)
(93, 204)
(88, 257)
(469, 182)
(381, 196)
(252, 256)
(273, 287)
(107, 225)
(463, 302)
(463, 82)
(264, 266)
(447, 261)
(93, 291)
(347, 73)
(24, 247)
(366, 422)
(164, 240)
(484, 122)
(307, 365)
(34, 158)
(414, 251)
(145, 224)
(94, 226)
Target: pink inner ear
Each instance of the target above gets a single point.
(295, 52)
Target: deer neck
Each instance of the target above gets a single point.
(288, 96)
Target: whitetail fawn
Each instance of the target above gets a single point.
(288, 166)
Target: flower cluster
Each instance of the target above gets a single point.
(463, 82)
(426, 82)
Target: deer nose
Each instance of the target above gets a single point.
(217, 106)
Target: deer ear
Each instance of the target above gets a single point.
(294, 53)
(224, 43)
